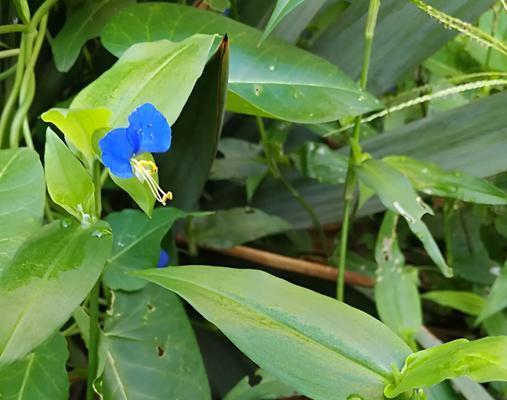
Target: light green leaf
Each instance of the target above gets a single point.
(282, 8)
(466, 302)
(398, 195)
(50, 276)
(41, 375)
(318, 161)
(229, 228)
(68, 182)
(482, 360)
(83, 23)
(218, 5)
(149, 349)
(497, 298)
(321, 347)
(312, 89)
(162, 73)
(78, 126)
(22, 193)
(267, 388)
(136, 244)
(396, 294)
(433, 180)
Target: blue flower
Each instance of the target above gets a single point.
(148, 132)
(163, 260)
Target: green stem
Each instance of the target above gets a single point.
(355, 154)
(41, 12)
(9, 53)
(8, 72)
(12, 28)
(93, 349)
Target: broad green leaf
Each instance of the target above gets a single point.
(229, 228)
(49, 277)
(282, 8)
(83, 23)
(266, 388)
(241, 159)
(68, 182)
(467, 302)
(318, 161)
(497, 298)
(149, 349)
(433, 180)
(196, 134)
(398, 195)
(162, 73)
(136, 244)
(79, 125)
(40, 375)
(478, 125)
(416, 37)
(312, 89)
(396, 295)
(482, 360)
(22, 193)
(321, 347)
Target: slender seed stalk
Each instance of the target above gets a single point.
(355, 154)
(94, 339)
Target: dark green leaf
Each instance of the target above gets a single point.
(267, 388)
(321, 347)
(241, 159)
(49, 277)
(149, 349)
(196, 134)
(136, 244)
(482, 360)
(229, 228)
(432, 180)
(69, 184)
(282, 8)
(41, 375)
(467, 302)
(312, 89)
(83, 23)
(22, 193)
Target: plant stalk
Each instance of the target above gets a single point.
(355, 154)
(93, 349)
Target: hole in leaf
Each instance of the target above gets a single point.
(150, 307)
(254, 380)
(160, 351)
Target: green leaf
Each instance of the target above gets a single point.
(50, 276)
(149, 349)
(267, 387)
(497, 298)
(241, 159)
(433, 180)
(312, 89)
(321, 347)
(78, 126)
(68, 182)
(482, 360)
(398, 195)
(396, 294)
(22, 195)
(282, 8)
(218, 5)
(136, 244)
(317, 161)
(196, 134)
(162, 73)
(466, 302)
(41, 375)
(229, 228)
(398, 22)
(83, 23)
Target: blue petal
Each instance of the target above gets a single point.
(149, 131)
(163, 260)
(117, 150)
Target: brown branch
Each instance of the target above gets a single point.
(285, 263)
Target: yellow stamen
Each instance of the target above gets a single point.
(144, 171)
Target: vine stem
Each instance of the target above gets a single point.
(93, 347)
(355, 154)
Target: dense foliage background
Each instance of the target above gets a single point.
(281, 162)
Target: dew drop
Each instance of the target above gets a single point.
(362, 98)
(354, 396)
(150, 125)
(271, 67)
(66, 223)
(424, 170)
(495, 271)
(98, 233)
(121, 244)
(258, 90)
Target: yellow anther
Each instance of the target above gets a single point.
(145, 170)
(167, 196)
